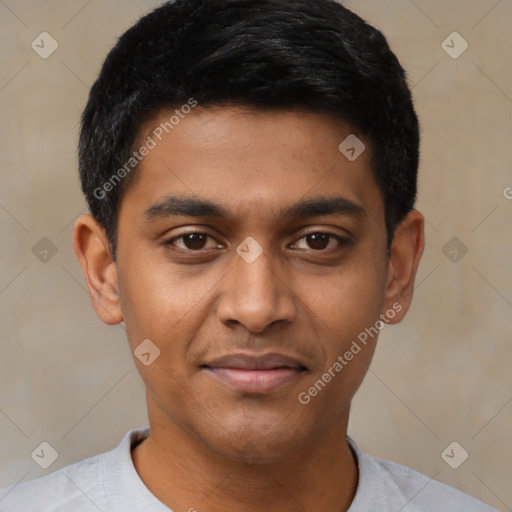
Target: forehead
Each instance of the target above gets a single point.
(252, 161)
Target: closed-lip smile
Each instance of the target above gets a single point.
(251, 373)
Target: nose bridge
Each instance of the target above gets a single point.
(253, 294)
(256, 278)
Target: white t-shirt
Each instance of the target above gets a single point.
(109, 483)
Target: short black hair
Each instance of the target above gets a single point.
(310, 55)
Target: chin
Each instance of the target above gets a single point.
(257, 444)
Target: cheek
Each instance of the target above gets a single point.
(163, 302)
(347, 301)
(144, 300)
(343, 318)
(148, 296)
(344, 310)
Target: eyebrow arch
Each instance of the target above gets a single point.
(193, 207)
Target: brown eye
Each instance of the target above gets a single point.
(318, 241)
(321, 241)
(194, 241)
(190, 241)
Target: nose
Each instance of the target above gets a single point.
(255, 295)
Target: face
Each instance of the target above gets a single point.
(252, 253)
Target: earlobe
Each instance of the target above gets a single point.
(406, 251)
(92, 249)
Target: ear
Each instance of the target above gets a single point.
(100, 271)
(406, 251)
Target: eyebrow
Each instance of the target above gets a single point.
(171, 206)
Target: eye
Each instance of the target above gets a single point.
(193, 241)
(320, 240)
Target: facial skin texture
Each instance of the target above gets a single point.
(211, 447)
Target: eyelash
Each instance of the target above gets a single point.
(343, 242)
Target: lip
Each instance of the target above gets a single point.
(255, 374)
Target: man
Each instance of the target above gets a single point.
(251, 168)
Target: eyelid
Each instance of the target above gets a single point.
(170, 241)
(342, 240)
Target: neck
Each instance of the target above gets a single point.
(185, 474)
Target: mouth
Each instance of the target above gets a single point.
(255, 374)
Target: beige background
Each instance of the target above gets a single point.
(443, 375)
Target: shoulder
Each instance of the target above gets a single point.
(398, 487)
(65, 489)
(79, 487)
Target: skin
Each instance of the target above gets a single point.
(212, 448)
